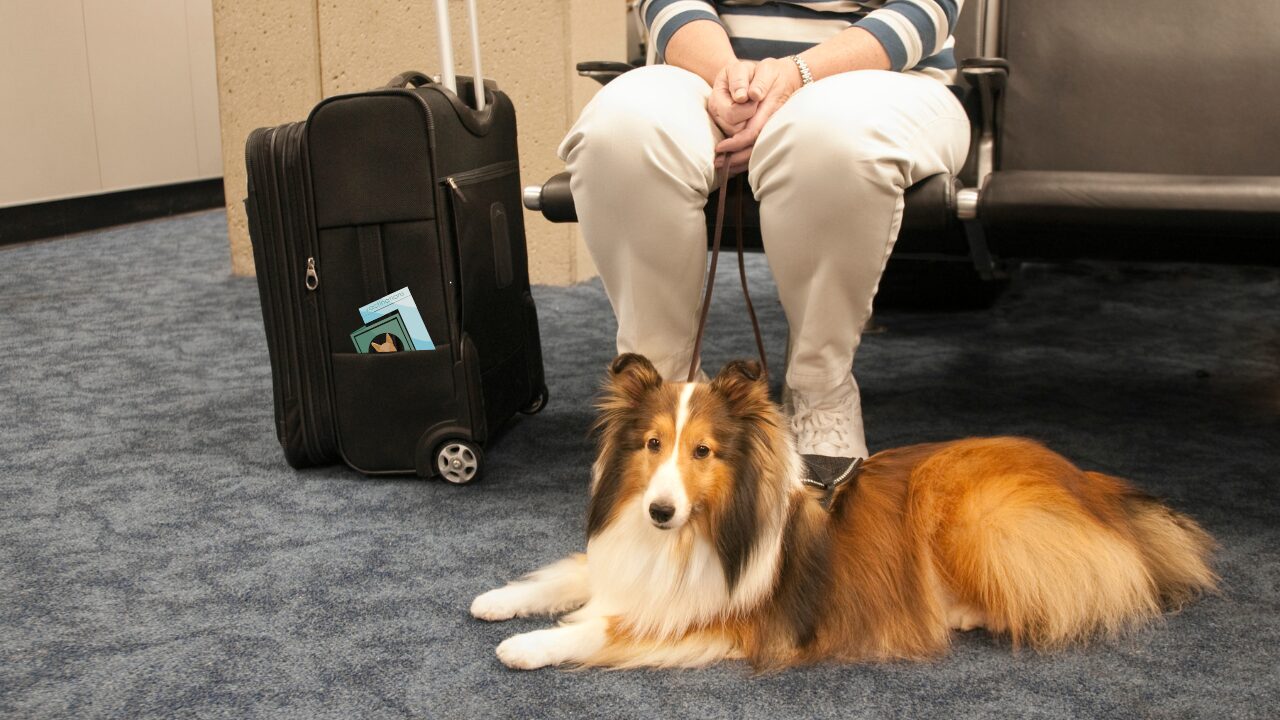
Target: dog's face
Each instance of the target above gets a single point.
(684, 449)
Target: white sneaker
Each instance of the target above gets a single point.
(827, 424)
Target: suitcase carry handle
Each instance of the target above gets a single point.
(447, 77)
(411, 77)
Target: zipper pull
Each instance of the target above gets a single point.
(313, 278)
(457, 190)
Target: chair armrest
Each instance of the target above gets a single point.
(553, 199)
(602, 71)
(981, 63)
(988, 77)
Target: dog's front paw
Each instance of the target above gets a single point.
(528, 651)
(500, 604)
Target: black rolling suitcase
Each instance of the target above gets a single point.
(406, 186)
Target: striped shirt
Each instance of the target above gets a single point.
(916, 34)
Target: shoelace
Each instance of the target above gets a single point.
(825, 428)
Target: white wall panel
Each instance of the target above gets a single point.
(204, 86)
(47, 144)
(142, 96)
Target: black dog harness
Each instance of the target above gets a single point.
(829, 474)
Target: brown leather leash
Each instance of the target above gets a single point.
(843, 475)
(716, 234)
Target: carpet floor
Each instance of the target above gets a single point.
(159, 559)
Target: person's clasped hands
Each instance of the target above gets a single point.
(744, 96)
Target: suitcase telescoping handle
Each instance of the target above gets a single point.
(447, 76)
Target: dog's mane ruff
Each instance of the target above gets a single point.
(789, 623)
(757, 498)
(621, 408)
(749, 528)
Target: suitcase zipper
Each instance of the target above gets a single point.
(296, 338)
(308, 397)
(480, 174)
(313, 278)
(314, 370)
(453, 183)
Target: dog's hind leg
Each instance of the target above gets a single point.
(556, 588)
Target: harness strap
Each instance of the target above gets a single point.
(716, 234)
(849, 475)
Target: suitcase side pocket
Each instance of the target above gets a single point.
(488, 227)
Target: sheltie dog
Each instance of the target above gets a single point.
(704, 544)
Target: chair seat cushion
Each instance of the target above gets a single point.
(1135, 215)
(1216, 204)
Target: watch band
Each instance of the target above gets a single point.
(806, 77)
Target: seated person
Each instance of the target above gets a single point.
(833, 109)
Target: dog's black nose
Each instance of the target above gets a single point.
(661, 512)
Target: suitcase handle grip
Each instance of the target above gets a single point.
(409, 77)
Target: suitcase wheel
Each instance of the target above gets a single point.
(536, 405)
(459, 461)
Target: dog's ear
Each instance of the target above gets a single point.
(631, 377)
(742, 382)
(745, 387)
(749, 370)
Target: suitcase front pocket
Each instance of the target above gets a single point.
(385, 402)
(489, 231)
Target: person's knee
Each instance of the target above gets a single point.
(851, 133)
(657, 106)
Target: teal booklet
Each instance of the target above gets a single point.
(400, 301)
(385, 334)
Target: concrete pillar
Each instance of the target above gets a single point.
(277, 58)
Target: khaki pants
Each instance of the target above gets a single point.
(829, 171)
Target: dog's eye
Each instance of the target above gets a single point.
(654, 444)
(701, 452)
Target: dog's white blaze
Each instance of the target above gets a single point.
(667, 484)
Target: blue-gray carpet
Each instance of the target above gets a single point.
(161, 560)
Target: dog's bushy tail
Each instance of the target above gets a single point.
(1052, 570)
(1175, 549)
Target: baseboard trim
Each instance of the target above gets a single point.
(38, 221)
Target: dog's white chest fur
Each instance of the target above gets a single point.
(658, 582)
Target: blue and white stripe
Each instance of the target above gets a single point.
(916, 34)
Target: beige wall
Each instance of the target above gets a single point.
(103, 95)
(277, 58)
